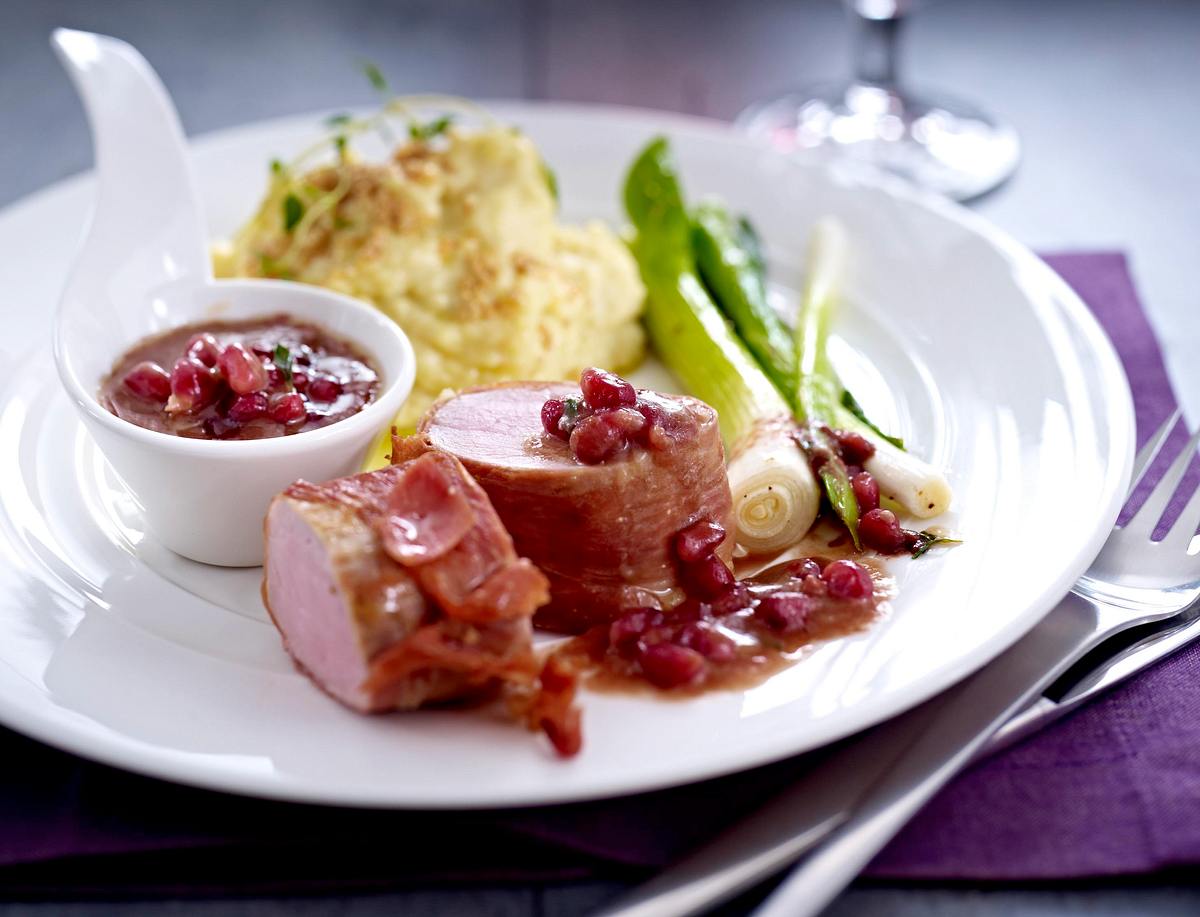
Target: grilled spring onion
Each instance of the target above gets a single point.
(917, 486)
(775, 495)
(730, 261)
(816, 395)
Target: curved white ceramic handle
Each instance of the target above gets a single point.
(147, 208)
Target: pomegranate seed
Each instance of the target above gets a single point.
(667, 665)
(149, 381)
(654, 635)
(203, 347)
(880, 529)
(708, 578)
(653, 414)
(707, 641)
(698, 540)
(324, 389)
(299, 379)
(847, 580)
(248, 407)
(606, 390)
(732, 600)
(855, 448)
(784, 612)
(264, 351)
(193, 386)
(623, 633)
(552, 412)
(628, 420)
(288, 408)
(814, 586)
(242, 370)
(866, 491)
(595, 440)
(302, 357)
(804, 567)
(666, 422)
(689, 610)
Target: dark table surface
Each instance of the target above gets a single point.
(1103, 93)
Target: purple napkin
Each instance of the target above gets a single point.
(1114, 789)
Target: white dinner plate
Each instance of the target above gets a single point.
(952, 335)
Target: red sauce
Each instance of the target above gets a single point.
(610, 417)
(249, 379)
(731, 633)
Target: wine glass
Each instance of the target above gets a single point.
(940, 143)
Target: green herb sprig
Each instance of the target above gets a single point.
(282, 358)
(927, 540)
(293, 211)
(430, 129)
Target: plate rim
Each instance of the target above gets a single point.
(111, 748)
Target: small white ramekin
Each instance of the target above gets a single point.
(206, 499)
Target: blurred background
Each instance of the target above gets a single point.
(1102, 92)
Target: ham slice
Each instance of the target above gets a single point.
(600, 533)
(400, 587)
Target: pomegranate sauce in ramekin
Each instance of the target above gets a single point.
(247, 379)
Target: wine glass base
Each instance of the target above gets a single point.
(944, 145)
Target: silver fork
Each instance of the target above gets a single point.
(871, 786)
(1133, 581)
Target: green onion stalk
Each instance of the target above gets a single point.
(807, 379)
(709, 318)
(775, 495)
(822, 401)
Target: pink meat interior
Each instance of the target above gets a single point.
(501, 426)
(309, 608)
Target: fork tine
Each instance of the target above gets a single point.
(1147, 453)
(1184, 529)
(1146, 518)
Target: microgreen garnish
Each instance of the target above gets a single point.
(570, 415)
(269, 267)
(551, 181)
(927, 540)
(293, 211)
(283, 359)
(339, 143)
(431, 129)
(276, 167)
(375, 75)
(850, 403)
(341, 119)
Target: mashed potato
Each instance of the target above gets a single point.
(457, 240)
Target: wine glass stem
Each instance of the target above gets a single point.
(875, 49)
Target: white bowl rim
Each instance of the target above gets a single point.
(376, 414)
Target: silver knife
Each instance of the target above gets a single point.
(1122, 657)
(767, 842)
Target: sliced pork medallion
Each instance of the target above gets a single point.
(598, 523)
(400, 587)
